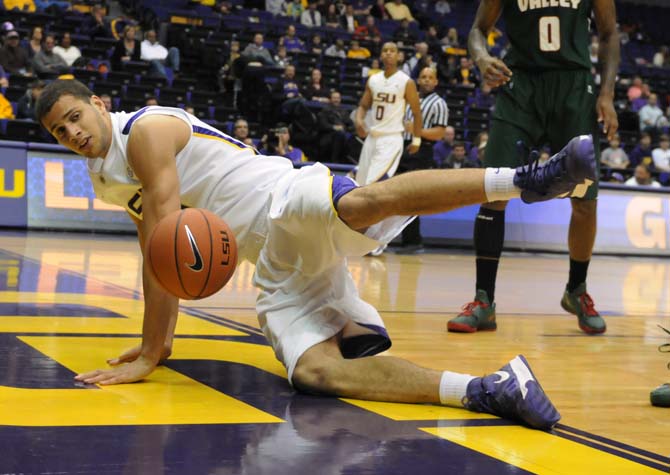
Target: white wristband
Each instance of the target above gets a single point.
(416, 141)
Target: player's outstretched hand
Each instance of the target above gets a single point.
(126, 373)
(131, 354)
(494, 72)
(607, 115)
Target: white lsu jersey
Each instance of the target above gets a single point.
(388, 102)
(215, 171)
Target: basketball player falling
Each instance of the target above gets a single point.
(297, 226)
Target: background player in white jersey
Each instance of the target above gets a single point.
(386, 94)
(308, 306)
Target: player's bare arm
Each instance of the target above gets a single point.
(608, 58)
(412, 98)
(493, 70)
(363, 107)
(131, 354)
(153, 144)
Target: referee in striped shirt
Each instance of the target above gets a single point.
(435, 113)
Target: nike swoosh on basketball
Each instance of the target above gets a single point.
(197, 265)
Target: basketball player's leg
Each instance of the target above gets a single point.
(576, 115)
(489, 228)
(323, 370)
(379, 158)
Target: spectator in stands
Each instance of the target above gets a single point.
(465, 75)
(256, 52)
(642, 100)
(316, 45)
(379, 11)
(276, 7)
(642, 177)
(290, 88)
(477, 149)
(291, 41)
(403, 34)
(367, 31)
(189, 109)
(47, 62)
(295, 10)
(334, 123)
(95, 25)
(277, 142)
(442, 7)
(4, 79)
(452, 40)
(6, 111)
(13, 58)
(67, 50)
(223, 8)
(662, 57)
(126, 49)
(151, 101)
(34, 43)
(311, 17)
(158, 56)
(348, 20)
(614, 156)
(458, 158)
(229, 74)
(241, 132)
(374, 68)
(635, 89)
(443, 148)
(107, 101)
(281, 58)
(356, 51)
(433, 41)
(399, 11)
(332, 17)
(661, 155)
(651, 116)
(336, 50)
(25, 108)
(315, 90)
(641, 154)
(417, 61)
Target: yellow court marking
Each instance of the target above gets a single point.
(416, 412)
(540, 452)
(165, 397)
(132, 309)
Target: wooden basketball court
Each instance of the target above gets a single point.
(221, 405)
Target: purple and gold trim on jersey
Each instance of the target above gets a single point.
(340, 186)
(205, 133)
(131, 121)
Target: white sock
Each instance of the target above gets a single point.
(499, 184)
(453, 388)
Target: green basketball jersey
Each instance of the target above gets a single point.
(547, 34)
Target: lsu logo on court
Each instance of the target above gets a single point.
(12, 184)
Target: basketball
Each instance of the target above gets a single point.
(192, 253)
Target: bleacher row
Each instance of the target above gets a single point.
(204, 37)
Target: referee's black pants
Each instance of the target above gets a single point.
(421, 160)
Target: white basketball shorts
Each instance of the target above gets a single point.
(379, 158)
(307, 294)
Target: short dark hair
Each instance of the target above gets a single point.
(54, 91)
(458, 144)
